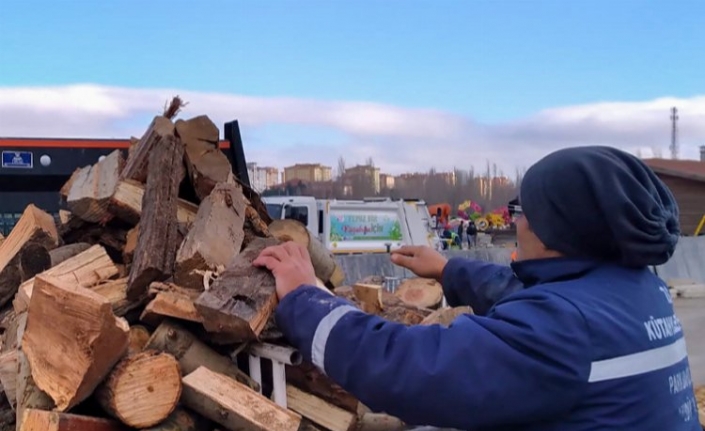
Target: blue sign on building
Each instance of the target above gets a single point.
(17, 159)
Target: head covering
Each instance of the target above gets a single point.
(600, 202)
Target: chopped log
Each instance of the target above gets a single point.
(215, 237)
(392, 307)
(8, 376)
(159, 132)
(242, 299)
(206, 164)
(159, 287)
(319, 411)
(64, 190)
(139, 337)
(322, 259)
(445, 316)
(192, 353)
(72, 340)
(29, 396)
(115, 291)
(85, 269)
(93, 186)
(66, 252)
(170, 304)
(64, 216)
(380, 422)
(33, 259)
(369, 297)
(159, 236)
(309, 378)
(182, 420)
(420, 292)
(40, 420)
(127, 204)
(35, 226)
(142, 390)
(234, 405)
(128, 251)
(258, 225)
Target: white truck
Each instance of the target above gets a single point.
(375, 225)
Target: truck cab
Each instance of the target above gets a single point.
(374, 225)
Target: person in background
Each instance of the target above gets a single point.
(577, 334)
(461, 228)
(471, 234)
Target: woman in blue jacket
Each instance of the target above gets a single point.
(578, 334)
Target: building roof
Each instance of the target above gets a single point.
(688, 169)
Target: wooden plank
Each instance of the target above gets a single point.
(242, 298)
(215, 237)
(158, 238)
(319, 411)
(234, 405)
(72, 340)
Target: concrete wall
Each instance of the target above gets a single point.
(688, 262)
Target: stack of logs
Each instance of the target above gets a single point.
(131, 310)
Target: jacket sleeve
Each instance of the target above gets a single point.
(477, 283)
(515, 366)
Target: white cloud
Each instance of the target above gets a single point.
(398, 139)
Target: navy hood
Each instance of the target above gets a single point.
(602, 203)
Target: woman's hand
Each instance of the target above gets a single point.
(421, 260)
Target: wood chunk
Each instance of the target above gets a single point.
(160, 130)
(420, 292)
(142, 390)
(380, 422)
(445, 316)
(234, 405)
(64, 191)
(192, 353)
(182, 420)
(92, 188)
(322, 259)
(139, 337)
(85, 269)
(369, 297)
(241, 300)
(319, 411)
(29, 396)
(392, 307)
(158, 238)
(66, 252)
(128, 251)
(35, 226)
(127, 204)
(72, 340)
(169, 304)
(40, 420)
(215, 237)
(33, 259)
(206, 164)
(309, 378)
(8, 375)
(115, 291)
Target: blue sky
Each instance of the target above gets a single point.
(489, 61)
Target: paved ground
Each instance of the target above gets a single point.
(691, 313)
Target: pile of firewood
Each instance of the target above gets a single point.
(132, 310)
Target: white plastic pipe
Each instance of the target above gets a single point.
(255, 370)
(285, 355)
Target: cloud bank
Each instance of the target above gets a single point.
(398, 139)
